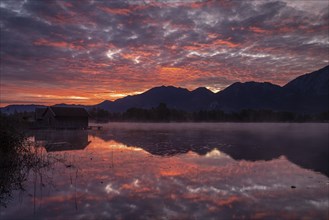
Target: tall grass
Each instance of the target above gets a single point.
(17, 157)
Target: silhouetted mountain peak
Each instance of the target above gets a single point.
(69, 105)
(202, 90)
(307, 94)
(166, 89)
(315, 83)
(251, 86)
(248, 95)
(106, 102)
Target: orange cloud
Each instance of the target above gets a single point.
(212, 45)
(225, 43)
(259, 30)
(171, 173)
(171, 70)
(118, 11)
(213, 35)
(228, 201)
(60, 44)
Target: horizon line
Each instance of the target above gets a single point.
(25, 103)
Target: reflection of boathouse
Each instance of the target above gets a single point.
(57, 140)
(61, 118)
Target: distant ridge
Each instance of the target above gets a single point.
(308, 93)
(10, 109)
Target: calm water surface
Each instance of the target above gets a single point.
(178, 171)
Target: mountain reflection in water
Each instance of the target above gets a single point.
(305, 145)
(180, 171)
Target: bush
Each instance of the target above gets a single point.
(16, 158)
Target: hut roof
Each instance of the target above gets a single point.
(69, 111)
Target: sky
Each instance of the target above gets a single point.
(87, 51)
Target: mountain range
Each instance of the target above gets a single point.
(308, 93)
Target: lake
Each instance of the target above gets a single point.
(178, 171)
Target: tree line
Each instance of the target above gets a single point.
(162, 113)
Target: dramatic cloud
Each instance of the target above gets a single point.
(87, 51)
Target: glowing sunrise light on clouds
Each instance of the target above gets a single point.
(81, 51)
(110, 53)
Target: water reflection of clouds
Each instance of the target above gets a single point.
(111, 180)
(180, 181)
(304, 145)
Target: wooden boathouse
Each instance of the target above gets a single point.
(61, 118)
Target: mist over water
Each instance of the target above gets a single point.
(260, 129)
(305, 144)
(179, 171)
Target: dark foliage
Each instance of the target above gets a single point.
(16, 157)
(164, 114)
